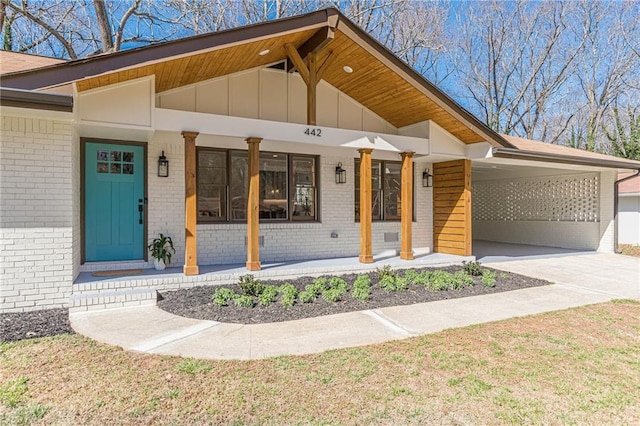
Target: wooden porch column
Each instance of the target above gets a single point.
(406, 210)
(253, 205)
(365, 205)
(190, 201)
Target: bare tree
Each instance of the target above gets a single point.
(513, 59)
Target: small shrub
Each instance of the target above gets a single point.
(306, 296)
(402, 283)
(362, 288)
(488, 278)
(460, 280)
(332, 295)
(288, 294)
(222, 296)
(439, 280)
(268, 295)
(243, 301)
(318, 286)
(472, 268)
(385, 271)
(250, 286)
(422, 278)
(411, 275)
(338, 283)
(387, 282)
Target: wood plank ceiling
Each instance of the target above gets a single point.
(372, 83)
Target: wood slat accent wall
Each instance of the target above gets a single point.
(452, 207)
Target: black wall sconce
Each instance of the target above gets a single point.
(163, 166)
(427, 179)
(341, 174)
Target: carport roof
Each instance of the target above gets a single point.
(527, 149)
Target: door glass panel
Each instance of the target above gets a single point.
(127, 169)
(103, 167)
(127, 157)
(116, 156)
(115, 168)
(103, 155)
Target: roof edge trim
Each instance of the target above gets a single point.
(35, 100)
(518, 154)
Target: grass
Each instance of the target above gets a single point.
(578, 366)
(629, 250)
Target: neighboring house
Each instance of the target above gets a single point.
(629, 210)
(295, 139)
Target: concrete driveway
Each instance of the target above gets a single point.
(581, 279)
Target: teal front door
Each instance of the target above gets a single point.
(114, 202)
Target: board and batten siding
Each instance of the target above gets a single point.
(452, 207)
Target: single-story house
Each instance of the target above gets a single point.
(301, 138)
(629, 209)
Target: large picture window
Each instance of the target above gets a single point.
(287, 186)
(385, 190)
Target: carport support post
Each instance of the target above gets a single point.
(365, 206)
(406, 202)
(253, 205)
(190, 211)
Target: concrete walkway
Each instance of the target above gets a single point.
(580, 280)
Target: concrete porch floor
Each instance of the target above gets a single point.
(281, 270)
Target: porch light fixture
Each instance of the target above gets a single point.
(347, 69)
(341, 174)
(427, 179)
(264, 52)
(163, 166)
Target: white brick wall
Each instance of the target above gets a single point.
(225, 243)
(607, 228)
(36, 203)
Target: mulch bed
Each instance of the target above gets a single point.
(196, 302)
(16, 326)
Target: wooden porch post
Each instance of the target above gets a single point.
(190, 211)
(406, 225)
(365, 205)
(253, 205)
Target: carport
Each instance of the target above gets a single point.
(543, 198)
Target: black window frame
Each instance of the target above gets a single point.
(290, 190)
(382, 164)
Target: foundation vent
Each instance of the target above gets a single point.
(391, 237)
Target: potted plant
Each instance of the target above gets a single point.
(161, 248)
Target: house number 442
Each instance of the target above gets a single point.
(313, 132)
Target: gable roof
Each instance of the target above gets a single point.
(380, 81)
(11, 62)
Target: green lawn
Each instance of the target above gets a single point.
(576, 366)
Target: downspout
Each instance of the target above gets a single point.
(615, 209)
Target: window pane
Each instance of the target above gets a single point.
(376, 193)
(273, 186)
(392, 179)
(238, 185)
(304, 206)
(212, 186)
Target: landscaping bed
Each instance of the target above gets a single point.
(16, 326)
(253, 301)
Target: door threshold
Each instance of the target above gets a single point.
(114, 265)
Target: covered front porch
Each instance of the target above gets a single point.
(135, 285)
